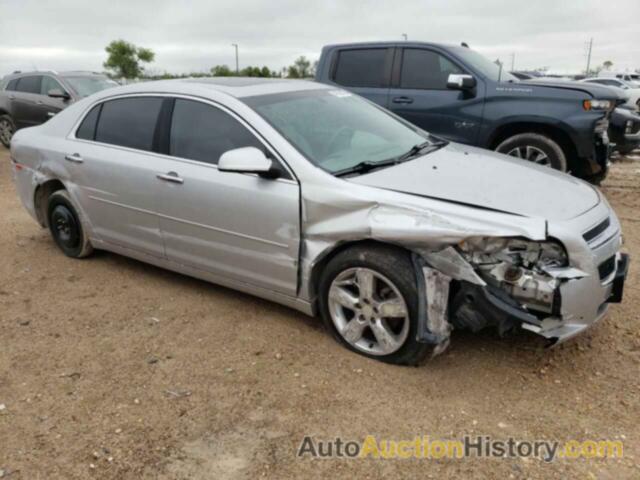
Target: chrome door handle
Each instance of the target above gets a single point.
(170, 177)
(40, 102)
(75, 158)
(12, 97)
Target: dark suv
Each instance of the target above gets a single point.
(456, 93)
(28, 99)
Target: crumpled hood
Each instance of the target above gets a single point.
(486, 179)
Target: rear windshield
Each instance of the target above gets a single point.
(84, 86)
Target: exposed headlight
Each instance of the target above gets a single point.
(597, 104)
(518, 267)
(519, 252)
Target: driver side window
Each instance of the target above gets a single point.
(49, 84)
(425, 69)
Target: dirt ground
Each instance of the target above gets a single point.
(113, 369)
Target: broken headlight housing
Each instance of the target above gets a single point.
(518, 267)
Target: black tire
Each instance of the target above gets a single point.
(65, 226)
(517, 146)
(395, 265)
(6, 122)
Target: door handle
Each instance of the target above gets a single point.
(402, 100)
(75, 158)
(170, 177)
(12, 97)
(39, 102)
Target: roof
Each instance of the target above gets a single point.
(234, 86)
(77, 73)
(394, 43)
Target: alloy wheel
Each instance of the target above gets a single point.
(368, 311)
(6, 131)
(533, 154)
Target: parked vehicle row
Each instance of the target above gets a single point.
(316, 198)
(456, 93)
(29, 99)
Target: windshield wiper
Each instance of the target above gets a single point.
(364, 167)
(419, 149)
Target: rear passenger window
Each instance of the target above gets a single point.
(362, 68)
(129, 122)
(202, 132)
(29, 84)
(425, 69)
(87, 129)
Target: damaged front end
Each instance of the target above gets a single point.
(501, 282)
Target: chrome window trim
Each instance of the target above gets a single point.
(72, 134)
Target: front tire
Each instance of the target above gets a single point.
(65, 226)
(7, 129)
(369, 301)
(536, 148)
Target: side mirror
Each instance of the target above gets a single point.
(247, 160)
(57, 93)
(461, 82)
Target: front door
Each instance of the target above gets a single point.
(239, 226)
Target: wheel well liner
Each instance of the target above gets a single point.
(555, 133)
(41, 194)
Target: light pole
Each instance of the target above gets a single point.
(237, 65)
(405, 36)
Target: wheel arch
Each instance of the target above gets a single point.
(556, 133)
(40, 196)
(326, 256)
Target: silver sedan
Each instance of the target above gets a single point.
(315, 198)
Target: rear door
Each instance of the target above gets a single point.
(242, 227)
(365, 71)
(113, 163)
(419, 94)
(27, 101)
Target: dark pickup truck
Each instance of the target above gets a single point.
(456, 93)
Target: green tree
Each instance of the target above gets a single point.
(607, 64)
(125, 59)
(222, 71)
(301, 68)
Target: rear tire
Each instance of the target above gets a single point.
(536, 148)
(7, 129)
(65, 226)
(392, 305)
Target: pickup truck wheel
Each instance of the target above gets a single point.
(66, 227)
(7, 128)
(369, 301)
(536, 148)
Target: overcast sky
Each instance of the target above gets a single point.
(194, 35)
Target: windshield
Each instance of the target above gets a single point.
(335, 129)
(88, 85)
(483, 65)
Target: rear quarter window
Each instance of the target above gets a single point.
(87, 129)
(129, 122)
(362, 67)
